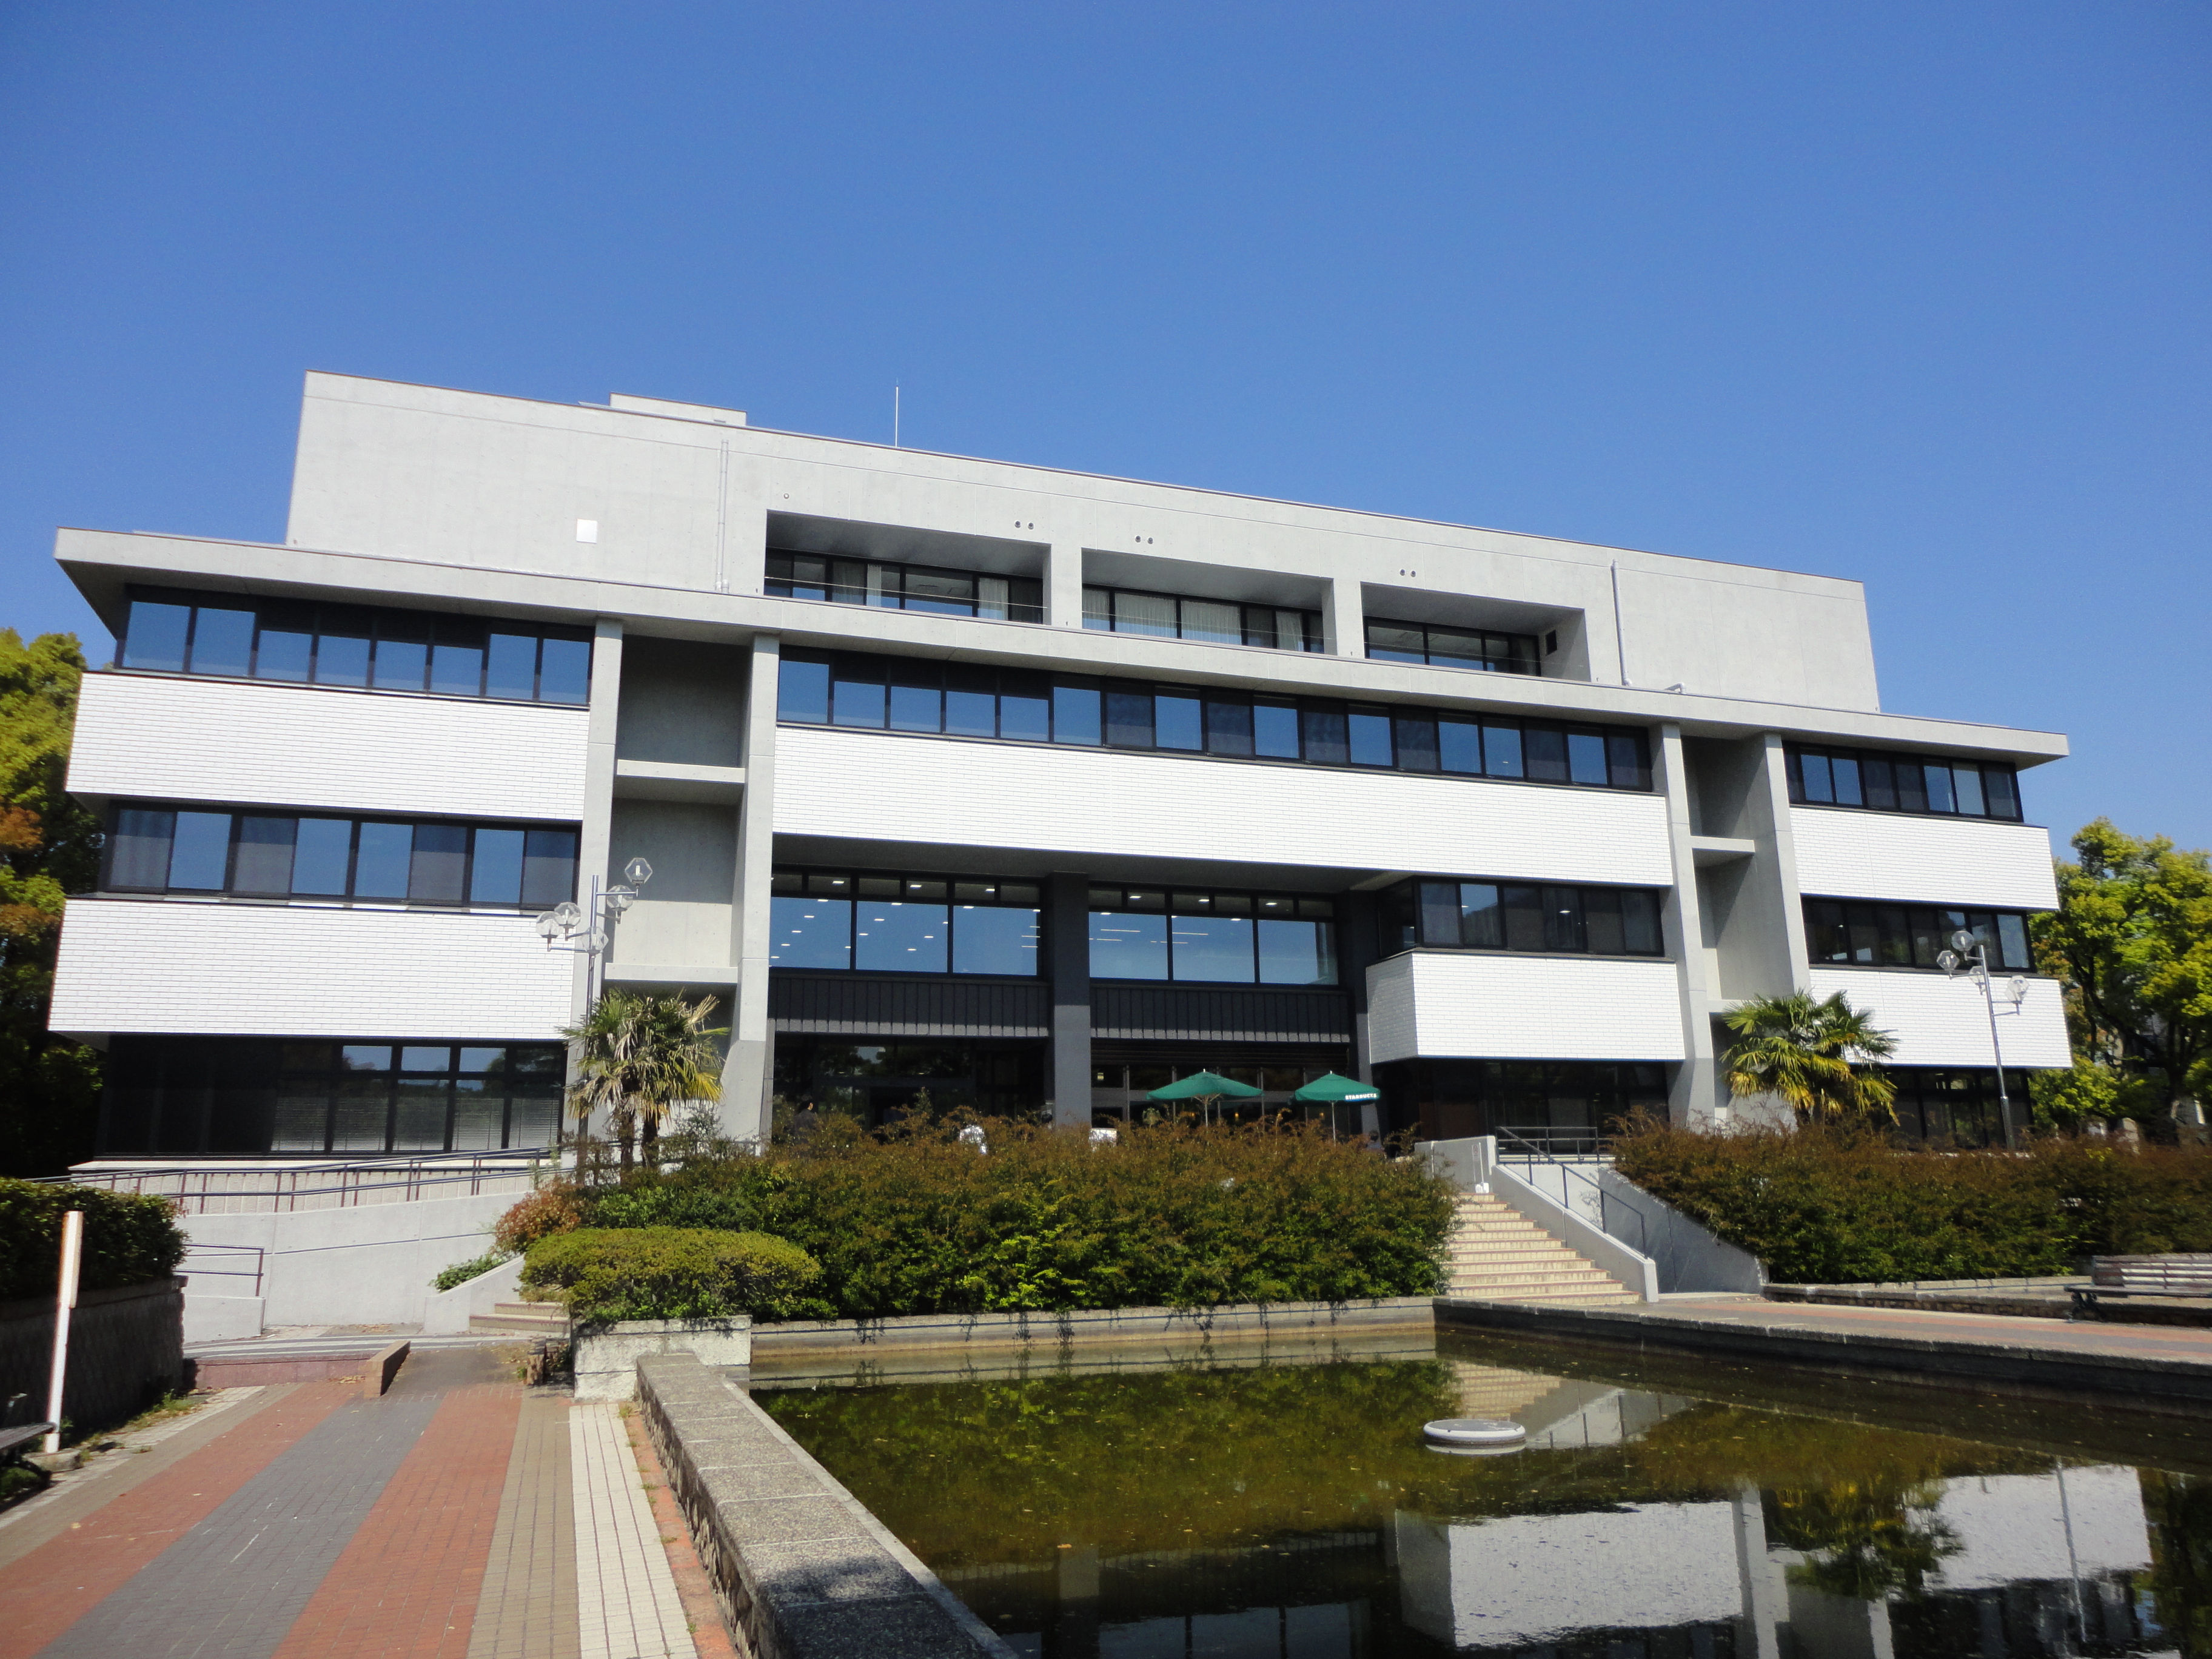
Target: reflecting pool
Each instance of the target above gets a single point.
(1228, 1505)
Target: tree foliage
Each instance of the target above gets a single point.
(638, 1057)
(1811, 1055)
(49, 847)
(2132, 940)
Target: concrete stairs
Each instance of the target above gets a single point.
(1495, 1254)
(524, 1319)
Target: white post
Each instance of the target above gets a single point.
(64, 1299)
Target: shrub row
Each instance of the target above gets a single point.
(671, 1272)
(1175, 1215)
(128, 1237)
(1823, 1205)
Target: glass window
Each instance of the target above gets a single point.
(1940, 798)
(1459, 745)
(549, 866)
(477, 1114)
(2012, 942)
(1626, 765)
(1098, 609)
(511, 665)
(1145, 613)
(1369, 728)
(994, 939)
(1416, 740)
(1545, 749)
(1524, 917)
(457, 657)
(438, 870)
(1818, 784)
(1214, 622)
(1211, 947)
(155, 635)
(386, 851)
(1967, 781)
(362, 1114)
(946, 592)
(1228, 725)
(1128, 719)
(1481, 919)
(403, 651)
(139, 854)
(322, 857)
(1563, 919)
(1502, 755)
(1297, 953)
(495, 869)
(1586, 761)
(1392, 643)
(1274, 729)
(917, 696)
(1843, 774)
(1327, 733)
(1025, 706)
(342, 645)
(1911, 788)
(264, 855)
(2003, 799)
(1128, 945)
(1076, 716)
(199, 860)
(901, 937)
(810, 933)
(856, 695)
(1641, 933)
(1178, 721)
(284, 647)
(1439, 912)
(564, 670)
(971, 701)
(1878, 783)
(1602, 923)
(222, 642)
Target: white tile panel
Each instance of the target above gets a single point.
(1846, 853)
(253, 742)
(1942, 1022)
(295, 970)
(1522, 1007)
(876, 786)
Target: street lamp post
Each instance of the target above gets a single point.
(1972, 956)
(585, 929)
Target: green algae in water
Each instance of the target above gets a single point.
(1287, 1510)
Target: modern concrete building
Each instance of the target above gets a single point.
(1020, 786)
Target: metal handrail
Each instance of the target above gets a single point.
(191, 1251)
(1528, 1153)
(284, 1192)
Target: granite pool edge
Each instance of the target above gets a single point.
(801, 1568)
(1086, 1324)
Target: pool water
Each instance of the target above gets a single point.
(1238, 1506)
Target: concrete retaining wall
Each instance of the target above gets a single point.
(1238, 1320)
(126, 1347)
(606, 1356)
(798, 1564)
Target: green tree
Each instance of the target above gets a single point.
(49, 846)
(638, 1057)
(2132, 941)
(1815, 1056)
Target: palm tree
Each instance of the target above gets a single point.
(1804, 1052)
(637, 1056)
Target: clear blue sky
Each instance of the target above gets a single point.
(1907, 293)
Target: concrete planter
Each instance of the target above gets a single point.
(447, 1313)
(606, 1356)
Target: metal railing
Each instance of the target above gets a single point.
(254, 1250)
(196, 1187)
(1515, 1145)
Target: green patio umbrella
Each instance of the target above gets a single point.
(1331, 1088)
(1203, 1086)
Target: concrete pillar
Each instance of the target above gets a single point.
(1063, 585)
(1757, 1637)
(748, 1072)
(1067, 934)
(1344, 623)
(593, 848)
(1690, 1099)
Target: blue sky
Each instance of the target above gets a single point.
(1910, 293)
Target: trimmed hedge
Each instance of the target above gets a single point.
(128, 1237)
(670, 1273)
(1175, 1215)
(1842, 1206)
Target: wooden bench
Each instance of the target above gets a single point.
(13, 1441)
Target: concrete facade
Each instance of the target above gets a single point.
(644, 530)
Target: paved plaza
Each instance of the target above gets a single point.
(460, 1516)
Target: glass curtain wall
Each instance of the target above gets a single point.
(866, 922)
(1215, 621)
(933, 588)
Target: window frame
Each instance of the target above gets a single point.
(955, 901)
(1898, 950)
(1815, 775)
(1310, 635)
(1544, 911)
(1024, 600)
(1531, 665)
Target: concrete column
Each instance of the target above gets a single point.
(1067, 934)
(593, 848)
(1344, 623)
(1690, 1099)
(1757, 1637)
(748, 1072)
(1063, 587)
(1777, 835)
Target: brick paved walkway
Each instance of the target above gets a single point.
(456, 1517)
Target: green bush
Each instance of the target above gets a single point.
(128, 1237)
(1843, 1206)
(461, 1272)
(1176, 1216)
(670, 1273)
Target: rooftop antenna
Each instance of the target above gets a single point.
(894, 414)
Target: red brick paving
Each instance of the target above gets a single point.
(409, 1581)
(46, 1591)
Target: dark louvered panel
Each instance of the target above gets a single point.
(853, 1005)
(1169, 1013)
